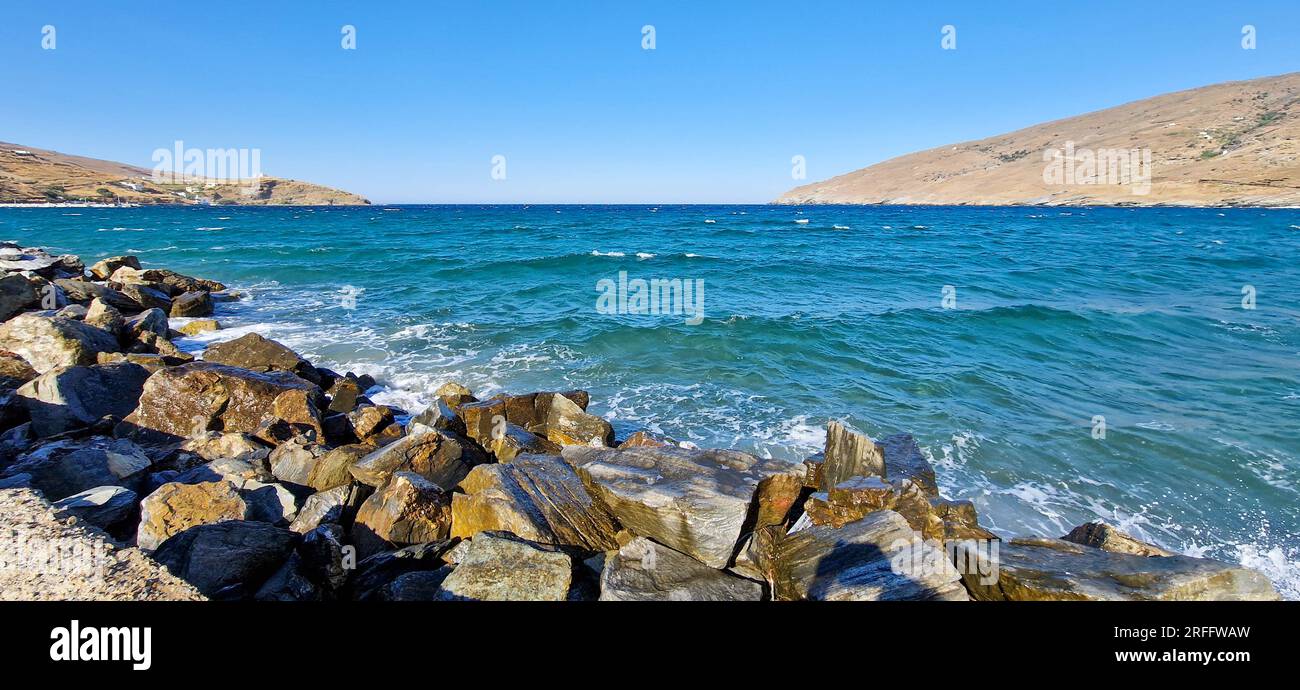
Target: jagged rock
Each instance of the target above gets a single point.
(568, 425)
(255, 353)
(176, 283)
(694, 501)
(370, 422)
(215, 445)
(289, 583)
(338, 505)
(1057, 570)
(421, 585)
(193, 303)
(647, 438)
(148, 342)
(105, 507)
(193, 398)
(1105, 537)
(530, 411)
(14, 371)
(105, 268)
(537, 497)
(960, 520)
(858, 497)
(645, 571)
(72, 311)
(301, 462)
(409, 509)
(198, 326)
(151, 320)
(227, 560)
(442, 417)
(326, 561)
(481, 418)
(440, 457)
(903, 460)
(87, 293)
(498, 566)
(454, 394)
(849, 454)
(17, 294)
(344, 395)
(107, 318)
(66, 398)
(175, 507)
(813, 465)
(31, 259)
(877, 558)
(144, 294)
(374, 573)
(67, 466)
(515, 440)
(47, 342)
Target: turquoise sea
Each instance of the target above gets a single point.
(1054, 321)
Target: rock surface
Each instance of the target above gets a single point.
(105, 507)
(694, 501)
(47, 342)
(227, 560)
(645, 571)
(66, 398)
(498, 566)
(409, 509)
(174, 508)
(849, 454)
(435, 455)
(65, 467)
(256, 353)
(1107, 538)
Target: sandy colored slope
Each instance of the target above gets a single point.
(1229, 144)
(41, 176)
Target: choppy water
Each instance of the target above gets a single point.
(1060, 316)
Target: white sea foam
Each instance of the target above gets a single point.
(597, 252)
(644, 255)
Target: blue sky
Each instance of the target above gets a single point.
(583, 114)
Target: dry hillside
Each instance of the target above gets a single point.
(1230, 144)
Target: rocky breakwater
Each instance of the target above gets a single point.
(253, 474)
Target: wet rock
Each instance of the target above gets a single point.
(647, 438)
(537, 497)
(47, 342)
(30, 259)
(193, 398)
(960, 520)
(338, 505)
(193, 303)
(105, 507)
(17, 294)
(498, 566)
(877, 558)
(256, 353)
(858, 497)
(344, 394)
(442, 417)
(105, 268)
(301, 462)
(568, 425)
(849, 454)
(694, 501)
(64, 467)
(227, 560)
(409, 509)
(370, 422)
(482, 418)
(903, 460)
(454, 394)
(198, 326)
(440, 457)
(645, 571)
(1105, 537)
(73, 397)
(1057, 570)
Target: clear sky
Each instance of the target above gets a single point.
(582, 113)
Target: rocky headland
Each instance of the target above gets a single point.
(253, 474)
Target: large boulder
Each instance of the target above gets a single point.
(375, 573)
(14, 258)
(514, 440)
(537, 497)
(193, 398)
(105, 268)
(567, 424)
(498, 566)
(694, 501)
(85, 292)
(856, 498)
(1107, 538)
(175, 507)
(107, 318)
(64, 467)
(338, 506)
(440, 457)
(645, 571)
(66, 398)
(256, 353)
(216, 445)
(147, 295)
(903, 460)
(17, 294)
(47, 342)
(105, 507)
(301, 462)
(193, 303)
(877, 558)
(849, 454)
(409, 509)
(14, 371)
(227, 560)
(150, 320)
(1036, 569)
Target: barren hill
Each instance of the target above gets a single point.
(38, 176)
(1229, 144)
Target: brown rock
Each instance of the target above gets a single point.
(1105, 537)
(17, 294)
(514, 441)
(849, 454)
(198, 326)
(193, 303)
(14, 371)
(856, 498)
(568, 425)
(440, 457)
(257, 353)
(647, 438)
(105, 268)
(409, 509)
(174, 508)
(903, 460)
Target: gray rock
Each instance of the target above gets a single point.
(47, 342)
(151, 320)
(64, 467)
(903, 460)
(227, 560)
(645, 571)
(374, 573)
(105, 507)
(440, 416)
(694, 501)
(17, 294)
(498, 566)
(1057, 570)
(192, 303)
(66, 398)
(338, 505)
(1107, 538)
